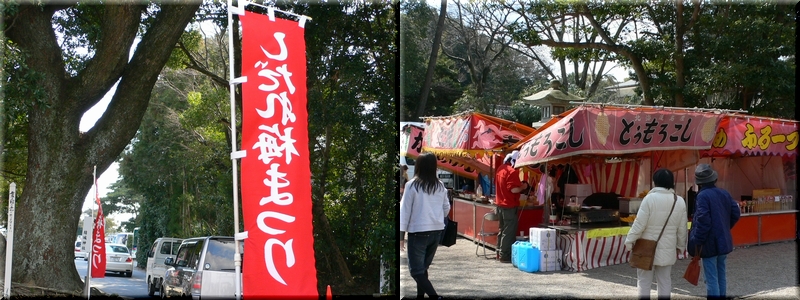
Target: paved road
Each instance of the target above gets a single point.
(758, 272)
(113, 283)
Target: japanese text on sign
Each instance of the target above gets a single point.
(276, 142)
(751, 140)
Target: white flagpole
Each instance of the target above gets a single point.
(237, 258)
(90, 232)
(12, 197)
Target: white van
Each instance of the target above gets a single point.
(162, 249)
(203, 268)
(445, 176)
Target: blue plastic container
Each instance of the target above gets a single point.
(528, 258)
(515, 249)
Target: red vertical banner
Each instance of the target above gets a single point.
(276, 175)
(98, 260)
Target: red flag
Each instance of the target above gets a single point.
(98, 259)
(276, 174)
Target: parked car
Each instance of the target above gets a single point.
(119, 259)
(78, 252)
(162, 249)
(203, 268)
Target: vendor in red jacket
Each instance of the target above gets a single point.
(507, 200)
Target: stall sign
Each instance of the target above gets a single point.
(447, 133)
(276, 176)
(618, 130)
(754, 136)
(470, 134)
(411, 141)
(411, 146)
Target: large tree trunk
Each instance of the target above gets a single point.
(437, 40)
(680, 30)
(321, 224)
(680, 77)
(60, 158)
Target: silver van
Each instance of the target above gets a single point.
(203, 267)
(163, 248)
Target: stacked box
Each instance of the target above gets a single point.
(543, 238)
(550, 260)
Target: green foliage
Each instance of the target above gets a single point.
(175, 165)
(352, 174)
(523, 113)
(192, 41)
(736, 56)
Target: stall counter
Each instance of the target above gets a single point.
(589, 248)
(469, 215)
(765, 227)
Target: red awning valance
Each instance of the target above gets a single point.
(741, 135)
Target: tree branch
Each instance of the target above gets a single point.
(695, 15)
(44, 53)
(119, 26)
(129, 103)
(195, 65)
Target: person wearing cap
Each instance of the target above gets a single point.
(715, 214)
(508, 187)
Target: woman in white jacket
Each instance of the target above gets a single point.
(650, 219)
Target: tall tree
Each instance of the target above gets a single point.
(601, 19)
(61, 158)
(418, 26)
(437, 40)
(477, 39)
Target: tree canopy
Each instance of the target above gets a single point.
(734, 55)
(60, 61)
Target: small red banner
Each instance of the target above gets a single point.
(276, 176)
(98, 259)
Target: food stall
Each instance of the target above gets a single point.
(612, 149)
(477, 142)
(757, 157)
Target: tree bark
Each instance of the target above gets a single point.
(680, 31)
(60, 158)
(437, 40)
(322, 226)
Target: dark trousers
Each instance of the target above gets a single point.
(421, 249)
(508, 230)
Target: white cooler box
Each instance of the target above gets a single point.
(550, 260)
(543, 238)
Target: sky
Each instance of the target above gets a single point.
(111, 174)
